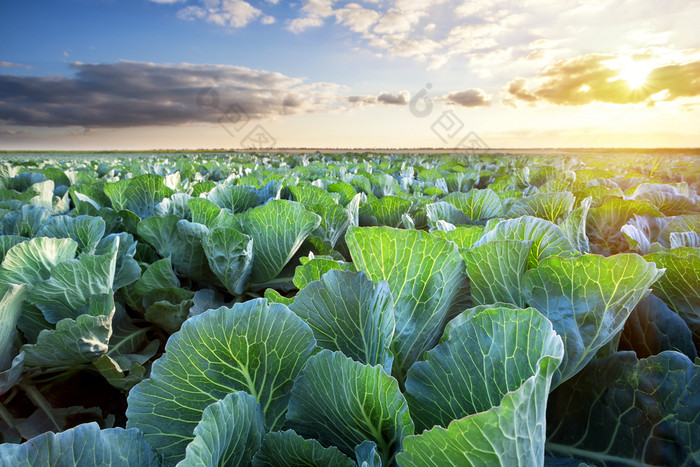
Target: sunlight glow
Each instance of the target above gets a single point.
(635, 73)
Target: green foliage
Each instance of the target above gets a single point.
(395, 290)
(342, 402)
(587, 299)
(619, 398)
(83, 445)
(250, 347)
(424, 274)
(347, 312)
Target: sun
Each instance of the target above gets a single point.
(635, 73)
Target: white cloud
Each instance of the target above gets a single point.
(302, 24)
(418, 49)
(268, 20)
(356, 17)
(4, 64)
(231, 13)
(473, 8)
(313, 14)
(398, 21)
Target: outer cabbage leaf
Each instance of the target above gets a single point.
(342, 403)
(114, 191)
(464, 236)
(587, 299)
(604, 223)
(504, 386)
(498, 351)
(207, 213)
(278, 229)
(442, 211)
(677, 224)
(314, 268)
(126, 270)
(158, 275)
(25, 222)
(140, 195)
(249, 347)
(335, 220)
(273, 296)
(83, 446)
(684, 240)
(347, 312)
(181, 241)
(31, 262)
(667, 198)
(548, 238)
(74, 341)
(636, 239)
(477, 205)
(652, 328)
(230, 433)
(310, 195)
(424, 273)
(624, 411)
(549, 206)
(7, 242)
(85, 230)
(230, 256)
(129, 349)
(574, 226)
(12, 297)
(680, 286)
(176, 205)
(346, 191)
(168, 308)
(387, 210)
(235, 198)
(288, 449)
(72, 283)
(495, 270)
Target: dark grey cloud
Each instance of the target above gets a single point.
(129, 94)
(392, 99)
(468, 98)
(386, 98)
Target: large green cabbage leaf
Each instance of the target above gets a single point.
(424, 273)
(492, 377)
(587, 299)
(250, 347)
(83, 446)
(347, 312)
(342, 403)
(623, 411)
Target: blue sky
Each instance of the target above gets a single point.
(142, 74)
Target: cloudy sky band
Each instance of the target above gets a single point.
(501, 67)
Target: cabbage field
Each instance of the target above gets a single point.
(312, 309)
